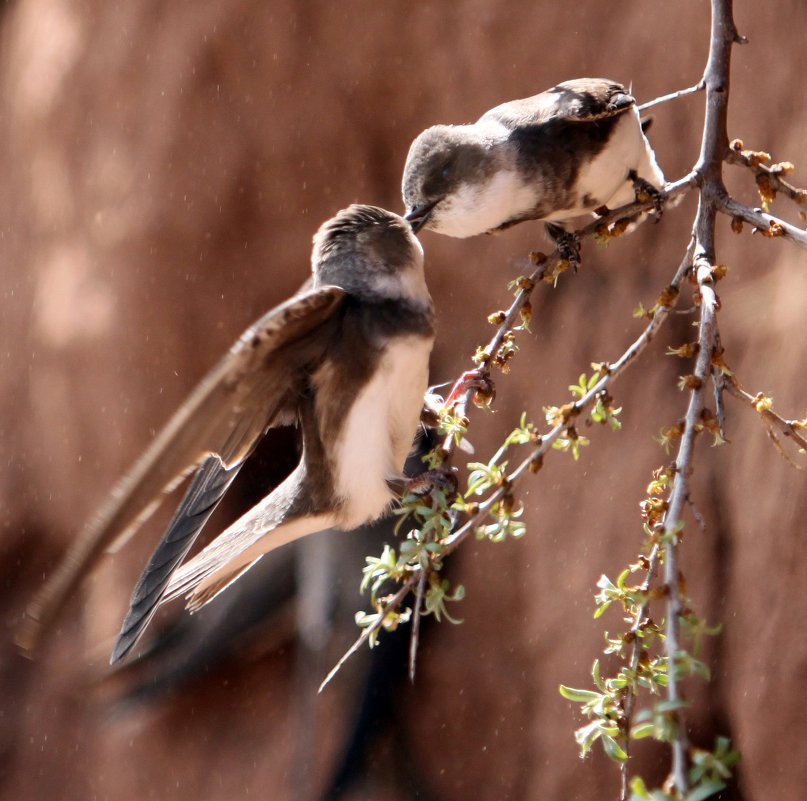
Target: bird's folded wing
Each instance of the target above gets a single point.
(581, 100)
(253, 387)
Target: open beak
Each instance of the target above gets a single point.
(419, 215)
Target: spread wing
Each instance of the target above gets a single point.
(252, 388)
(580, 100)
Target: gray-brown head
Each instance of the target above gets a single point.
(442, 160)
(369, 251)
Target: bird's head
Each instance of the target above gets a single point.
(369, 252)
(443, 162)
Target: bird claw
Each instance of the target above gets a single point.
(477, 380)
(567, 244)
(441, 479)
(646, 192)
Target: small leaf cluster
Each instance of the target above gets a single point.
(605, 706)
(571, 441)
(604, 411)
(429, 514)
(604, 710)
(665, 300)
(491, 476)
(708, 775)
(432, 516)
(767, 177)
(643, 668)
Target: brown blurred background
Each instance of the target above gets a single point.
(164, 166)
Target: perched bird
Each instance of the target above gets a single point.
(574, 148)
(346, 360)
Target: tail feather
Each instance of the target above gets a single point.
(278, 519)
(203, 496)
(203, 595)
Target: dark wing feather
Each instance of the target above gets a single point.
(211, 482)
(251, 388)
(580, 100)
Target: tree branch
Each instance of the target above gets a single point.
(680, 493)
(535, 458)
(368, 632)
(714, 148)
(698, 87)
(788, 428)
(635, 656)
(766, 224)
(755, 161)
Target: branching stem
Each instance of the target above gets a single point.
(772, 175)
(635, 657)
(673, 518)
(580, 405)
(547, 267)
(698, 87)
(788, 428)
(766, 224)
(456, 538)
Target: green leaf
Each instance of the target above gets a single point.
(613, 749)
(642, 730)
(578, 696)
(671, 706)
(595, 674)
(601, 609)
(639, 790)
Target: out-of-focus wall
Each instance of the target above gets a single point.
(164, 166)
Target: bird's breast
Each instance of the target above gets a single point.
(378, 429)
(481, 206)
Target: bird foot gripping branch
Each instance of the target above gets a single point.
(646, 193)
(443, 480)
(478, 382)
(566, 242)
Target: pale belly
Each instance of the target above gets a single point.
(605, 179)
(379, 430)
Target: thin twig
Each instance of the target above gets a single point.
(393, 603)
(674, 514)
(698, 87)
(766, 224)
(751, 160)
(719, 384)
(786, 427)
(414, 639)
(714, 147)
(635, 656)
(696, 513)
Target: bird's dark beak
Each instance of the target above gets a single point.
(419, 215)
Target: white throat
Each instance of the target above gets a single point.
(476, 207)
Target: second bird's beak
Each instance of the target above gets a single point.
(418, 216)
